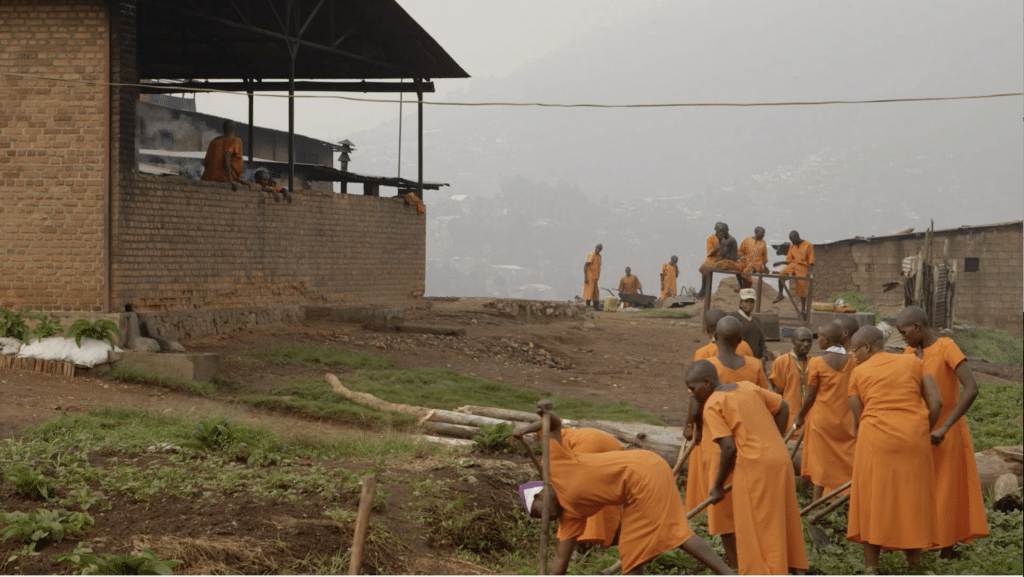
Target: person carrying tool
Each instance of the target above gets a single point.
(746, 421)
(669, 272)
(799, 262)
(753, 254)
(629, 284)
(894, 405)
(653, 519)
(789, 372)
(223, 161)
(602, 527)
(731, 368)
(958, 498)
(591, 274)
(827, 459)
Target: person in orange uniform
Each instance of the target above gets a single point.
(629, 284)
(753, 254)
(669, 272)
(747, 421)
(799, 262)
(788, 374)
(709, 350)
(848, 325)
(731, 368)
(712, 251)
(601, 527)
(263, 181)
(653, 519)
(223, 162)
(827, 458)
(958, 498)
(591, 274)
(894, 405)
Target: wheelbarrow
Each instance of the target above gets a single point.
(635, 300)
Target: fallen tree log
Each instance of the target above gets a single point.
(997, 461)
(372, 401)
(496, 413)
(1005, 497)
(455, 418)
(450, 430)
(665, 441)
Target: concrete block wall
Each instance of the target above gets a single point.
(991, 297)
(186, 245)
(53, 154)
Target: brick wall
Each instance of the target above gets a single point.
(182, 244)
(53, 154)
(991, 297)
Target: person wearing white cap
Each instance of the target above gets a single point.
(753, 335)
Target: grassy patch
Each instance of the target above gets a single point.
(324, 356)
(676, 313)
(990, 418)
(443, 389)
(993, 345)
(126, 374)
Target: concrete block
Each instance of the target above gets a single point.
(819, 318)
(200, 367)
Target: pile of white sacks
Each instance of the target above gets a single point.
(92, 352)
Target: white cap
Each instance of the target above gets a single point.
(747, 293)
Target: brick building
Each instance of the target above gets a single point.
(84, 231)
(988, 263)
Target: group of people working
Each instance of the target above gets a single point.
(888, 429)
(723, 254)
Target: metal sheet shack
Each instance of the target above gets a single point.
(85, 231)
(985, 262)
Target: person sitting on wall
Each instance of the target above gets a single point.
(223, 160)
(263, 180)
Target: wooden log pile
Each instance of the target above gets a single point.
(59, 368)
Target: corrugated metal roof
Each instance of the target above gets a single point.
(920, 234)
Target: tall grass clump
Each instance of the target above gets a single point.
(993, 345)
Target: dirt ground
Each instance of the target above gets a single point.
(607, 356)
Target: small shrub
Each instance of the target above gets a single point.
(29, 482)
(495, 439)
(146, 563)
(100, 329)
(44, 526)
(210, 435)
(12, 324)
(45, 327)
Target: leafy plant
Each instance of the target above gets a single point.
(44, 525)
(100, 329)
(495, 439)
(146, 563)
(12, 324)
(210, 435)
(45, 327)
(29, 482)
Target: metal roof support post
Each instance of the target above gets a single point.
(291, 126)
(419, 108)
(251, 101)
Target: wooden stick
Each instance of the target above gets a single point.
(796, 447)
(529, 451)
(362, 523)
(545, 519)
(684, 454)
(835, 505)
(789, 435)
(704, 504)
(824, 498)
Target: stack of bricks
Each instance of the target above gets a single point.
(53, 153)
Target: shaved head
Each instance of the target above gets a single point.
(831, 331)
(803, 333)
(869, 335)
(847, 324)
(911, 315)
(711, 319)
(729, 330)
(700, 370)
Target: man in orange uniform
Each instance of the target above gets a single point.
(223, 160)
(653, 519)
(712, 252)
(789, 372)
(709, 350)
(747, 421)
(958, 497)
(669, 272)
(731, 368)
(602, 526)
(799, 262)
(848, 325)
(827, 458)
(591, 274)
(264, 182)
(894, 405)
(753, 255)
(629, 284)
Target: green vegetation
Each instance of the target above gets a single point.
(497, 439)
(993, 345)
(146, 563)
(44, 526)
(315, 398)
(45, 327)
(676, 313)
(12, 324)
(29, 482)
(857, 301)
(990, 418)
(100, 329)
(126, 374)
(325, 356)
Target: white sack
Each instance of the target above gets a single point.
(92, 352)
